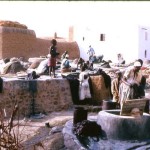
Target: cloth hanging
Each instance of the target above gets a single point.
(1, 85)
(74, 87)
(32, 86)
(84, 89)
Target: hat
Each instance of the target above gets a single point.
(66, 56)
(137, 64)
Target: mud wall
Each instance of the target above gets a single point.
(18, 42)
(38, 96)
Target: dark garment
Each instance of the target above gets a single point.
(134, 92)
(1, 85)
(142, 86)
(32, 86)
(74, 87)
(53, 51)
(137, 91)
(33, 90)
(32, 75)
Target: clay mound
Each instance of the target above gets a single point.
(12, 24)
(15, 67)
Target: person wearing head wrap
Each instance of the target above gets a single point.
(65, 64)
(133, 75)
(120, 59)
(131, 79)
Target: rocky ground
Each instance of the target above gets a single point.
(44, 132)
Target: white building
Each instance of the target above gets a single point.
(132, 41)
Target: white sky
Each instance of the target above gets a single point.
(47, 17)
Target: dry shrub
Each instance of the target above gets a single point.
(9, 139)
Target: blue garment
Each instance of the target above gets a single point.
(67, 64)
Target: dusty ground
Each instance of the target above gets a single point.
(33, 131)
(36, 135)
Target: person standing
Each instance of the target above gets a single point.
(91, 53)
(115, 84)
(53, 54)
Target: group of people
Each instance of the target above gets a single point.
(65, 64)
(92, 57)
(121, 86)
(130, 84)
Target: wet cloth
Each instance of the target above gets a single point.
(74, 87)
(1, 85)
(98, 89)
(32, 86)
(84, 89)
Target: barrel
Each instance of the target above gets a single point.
(79, 115)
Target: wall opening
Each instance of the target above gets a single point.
(102, 37)
(145, 53)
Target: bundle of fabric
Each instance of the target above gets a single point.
(87, 128)
(35, 64)
(99, 90)
(41, 67)
(74, 75)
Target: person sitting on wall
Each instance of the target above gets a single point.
(65, 65)
(120, 59)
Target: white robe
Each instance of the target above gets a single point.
(84, 89)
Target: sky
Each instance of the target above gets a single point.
(47, 17)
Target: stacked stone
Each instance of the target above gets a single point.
(49, 96)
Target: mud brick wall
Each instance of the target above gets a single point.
(49, 96)
(42, 46)
(18, 42)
